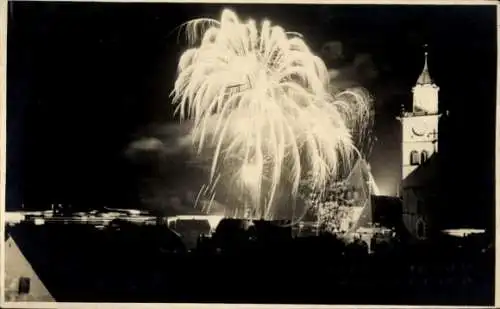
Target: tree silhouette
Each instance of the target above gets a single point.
(331, 207)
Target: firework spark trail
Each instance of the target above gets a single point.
(198, 196)
(260, 101)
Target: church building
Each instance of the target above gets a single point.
(420, 182)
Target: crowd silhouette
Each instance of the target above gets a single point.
(252, 262)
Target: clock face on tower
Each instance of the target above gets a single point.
(419, 129)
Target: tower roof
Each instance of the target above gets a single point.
(425, 77)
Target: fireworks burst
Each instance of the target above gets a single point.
(260, 103)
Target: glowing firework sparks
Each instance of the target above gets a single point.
(260, 102)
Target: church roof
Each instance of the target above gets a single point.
(361, 177)
(358, 175)
(426, 175)
(425, 76)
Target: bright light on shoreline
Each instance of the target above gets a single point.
(463, 232)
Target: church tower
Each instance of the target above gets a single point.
(420, 124)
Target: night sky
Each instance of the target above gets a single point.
(85, 80)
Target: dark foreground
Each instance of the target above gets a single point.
(78, 263)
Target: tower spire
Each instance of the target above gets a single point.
(425, 77)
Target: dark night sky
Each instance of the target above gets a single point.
(85, 78)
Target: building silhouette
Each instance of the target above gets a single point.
(420, 162)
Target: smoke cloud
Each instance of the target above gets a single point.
(345, 73)
(146, 144)
(168, 175)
